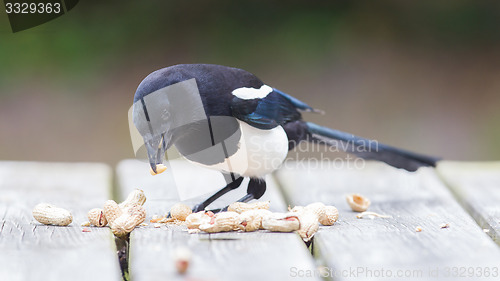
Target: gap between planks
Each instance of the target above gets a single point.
(391, 245)
(476, 186)
(220, 256)
(32, 251)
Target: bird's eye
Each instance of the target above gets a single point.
(165, 114)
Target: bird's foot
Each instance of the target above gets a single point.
(198, 207)
(215, 211)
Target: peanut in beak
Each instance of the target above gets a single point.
(160, 168)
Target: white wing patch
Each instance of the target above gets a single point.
(252, 93)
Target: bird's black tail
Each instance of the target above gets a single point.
(370, 149)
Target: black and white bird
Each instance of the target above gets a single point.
(227, 119)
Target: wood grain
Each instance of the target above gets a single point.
(32, 251)
(222, 256)
(476, 185)
(367, 249)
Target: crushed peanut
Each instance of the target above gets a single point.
(296, 209)
(182, 258)
(280, 222)
(252, 217)
(162, 219)
(372, 214)
(193, 231)
(221, 222)
(252, 220)
(194, 220)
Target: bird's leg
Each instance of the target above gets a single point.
(256, 188)
(230, 186)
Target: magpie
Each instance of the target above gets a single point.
(227, 119)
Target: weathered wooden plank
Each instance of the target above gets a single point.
(221, 256)
(477, 187)
(385, 249)
(32, 251)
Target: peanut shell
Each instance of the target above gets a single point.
(135, 197)
(240, 207)
(308, 225)
(194, 220)
(280, 222)
(358, 202)
(221, 222)
(252, 220)
(180, 211)
(329, 215)
(96, 217)
(51, 215)
(316, 208)
(111, 211)
(125, 223)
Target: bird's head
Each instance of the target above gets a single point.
(165, 103)
(152, 116)
(156, 132)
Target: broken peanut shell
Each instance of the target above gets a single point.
(194, 220)
(96, 217)
(308, 225)
(252, 220)
(221, 222)
(280, 222)
(358, 202)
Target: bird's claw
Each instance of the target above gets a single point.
(198, 208)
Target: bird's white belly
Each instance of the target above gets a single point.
(260, 152)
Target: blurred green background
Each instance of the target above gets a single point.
(422, 75)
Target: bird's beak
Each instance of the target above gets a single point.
(156, 151)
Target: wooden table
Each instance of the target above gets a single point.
(32, 251)
(465, 196)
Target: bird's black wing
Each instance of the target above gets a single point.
(275, 109)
